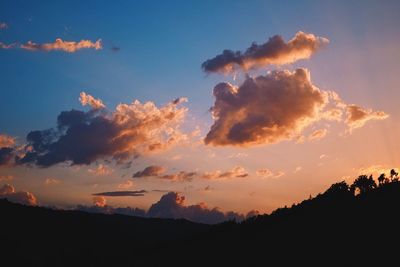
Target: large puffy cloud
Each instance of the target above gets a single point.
(129, 131)
(61, 45)
(274, 51)
(265, 109)
(172, 205)
(152, 170)
(8, 192)
(277, 106)
(358, 116)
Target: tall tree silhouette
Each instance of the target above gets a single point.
(363, 184)
(382, 179)
(394, 175)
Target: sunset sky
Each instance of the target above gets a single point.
(240, 105)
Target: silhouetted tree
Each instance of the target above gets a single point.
(381, 178)
(363, 184)
(338, 188)
(394, 175)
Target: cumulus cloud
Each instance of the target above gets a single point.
(6, 140)
(275, 51)
(128, 132)
(318, 134)
(172, 205)
(236, 172)
(179, 176)
(274, 107)
(357, 116)
(152, 170)
(265, 109)
(26, 198)
(87, 99)
(61, 45)
(138, 193)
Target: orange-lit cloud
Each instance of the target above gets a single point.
(130, 131)
(8, 192)
(6, 140)
(61, 45)
(6, 177)
(357, 116)
(275, 51)
(277, 106)
(87, 99)
(99, 201)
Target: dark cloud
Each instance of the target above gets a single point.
(152, 170)
(122, 193)
(26, 198)
(274, 51)
(265, 109)
(172, 205)
(84, 137)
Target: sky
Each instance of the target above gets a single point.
(305, 95)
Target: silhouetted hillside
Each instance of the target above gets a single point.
(345, 225)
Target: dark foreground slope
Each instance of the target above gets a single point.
(335, 227)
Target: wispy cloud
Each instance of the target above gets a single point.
(61, 45)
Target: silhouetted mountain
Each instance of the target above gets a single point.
(336, 227)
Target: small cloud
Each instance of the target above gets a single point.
(3, 26)
(99, 201)
(179, 176)
(152, 170)
(61, 45)
(318, 134)
(115, 48)
(101, 170)
(51, 181)
(6, 46)
(125, 185)
(86, 99)
(322, 156)
(236, 172)
(357, 116)
(298, 168)
(138, 193)
(266, 173)
(239, 155)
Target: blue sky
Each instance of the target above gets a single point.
(162, 46)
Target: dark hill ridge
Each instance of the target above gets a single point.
(335, 227)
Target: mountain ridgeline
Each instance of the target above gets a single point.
(347, 224)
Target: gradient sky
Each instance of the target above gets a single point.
(161, 46)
